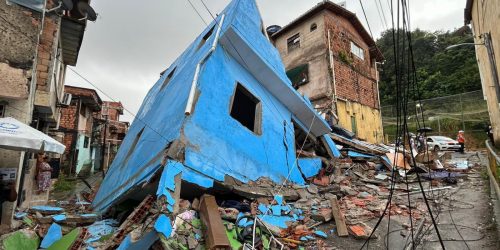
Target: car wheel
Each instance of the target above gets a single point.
(436, 148)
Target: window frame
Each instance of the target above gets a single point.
(205, 37)
(355, 49)
(292, 43)
(313, 27)
(257, 127)
(168, 79)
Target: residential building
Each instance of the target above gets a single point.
(111, 130)
(78, 121)
(481, 15)
(332, 59)
(223, 112)
(36, 46)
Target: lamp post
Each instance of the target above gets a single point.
(487, 43)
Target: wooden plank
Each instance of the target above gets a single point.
(177, 193)
(339, 218)
(215, 233)
(362, 146)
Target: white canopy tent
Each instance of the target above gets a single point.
(16, 135)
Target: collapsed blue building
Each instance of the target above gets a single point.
(224, 109)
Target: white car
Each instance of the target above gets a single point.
(438, 143)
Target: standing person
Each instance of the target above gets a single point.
(461, 141)
(489, 132)
(44, 173)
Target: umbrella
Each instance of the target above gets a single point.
(16, 135)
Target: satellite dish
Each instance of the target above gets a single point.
(66, 4)
(85, 10)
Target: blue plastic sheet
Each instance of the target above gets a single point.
(53, 234)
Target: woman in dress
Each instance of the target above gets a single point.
(44, 173)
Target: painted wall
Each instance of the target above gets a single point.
(229, 147)
(483, 12)
(84, 156)
(368, 121)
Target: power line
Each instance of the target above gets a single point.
(367, 23)
(192, 6)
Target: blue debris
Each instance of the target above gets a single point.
(279, 221)
(164, 225)
(20, 215)
(263, 208)
(332, 145)
(53, 234)
(243, 222)
(320, 234)
(355, 154)
(88, 215)
(59, 217)
(101, 228)
(309, 166)
(47, 209)
(304, 238)
(279, 199)
(276, 210)
(170, 199)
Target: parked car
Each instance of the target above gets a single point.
(442, 143)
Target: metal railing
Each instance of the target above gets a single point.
(493, 167)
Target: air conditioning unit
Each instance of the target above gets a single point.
(66, 100)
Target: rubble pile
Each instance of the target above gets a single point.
(342, 199)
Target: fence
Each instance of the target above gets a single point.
(445, 115)
(493, 168)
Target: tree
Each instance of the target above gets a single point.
(439, 72)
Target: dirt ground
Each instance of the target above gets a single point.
(464, 214)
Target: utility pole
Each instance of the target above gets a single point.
(103, 147)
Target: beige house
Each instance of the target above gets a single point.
(331, 58)
(483, 17)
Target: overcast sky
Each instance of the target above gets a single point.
(131, 42)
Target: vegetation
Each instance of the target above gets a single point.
(440, 72)
(63, 184)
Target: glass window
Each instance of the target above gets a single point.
(357, 51)
(299, 75)
(293, 42)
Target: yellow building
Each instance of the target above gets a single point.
(483, 17)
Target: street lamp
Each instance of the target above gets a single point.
(462, 44)
(487, 43)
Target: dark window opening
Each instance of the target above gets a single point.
(314, 26)
(293, 42)
(167, 80)
(246, 109)
(299, 75)
(86, 142)
(205, 38)
(132, 147)
(354, 125)
(2, 110)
